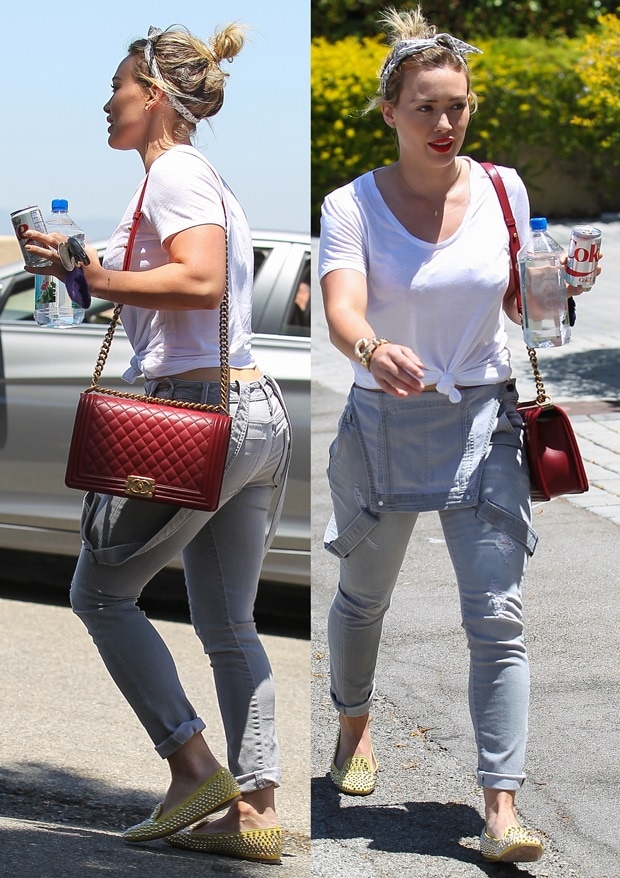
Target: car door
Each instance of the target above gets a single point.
(42, 372)
(281, 344)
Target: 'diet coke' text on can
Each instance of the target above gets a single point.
(24, 220)
(583, 254)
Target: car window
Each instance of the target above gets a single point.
(297, 321)
(20, 303)
(293, 317)
(261, 255)
(21, 300)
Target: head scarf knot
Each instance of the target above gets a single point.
(406, 48)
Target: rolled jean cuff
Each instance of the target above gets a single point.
(258, 780)
(357, 709)
(181, 736)
(500, 781)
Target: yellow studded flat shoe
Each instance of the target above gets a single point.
(517, 845)
(356, 777)
(248, 844)
(215, 793)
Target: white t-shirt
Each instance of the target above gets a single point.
(444, 300)
(184, 190)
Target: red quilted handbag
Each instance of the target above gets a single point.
(553, 454)
(162, 450)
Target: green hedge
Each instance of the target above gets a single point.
(529, 92)
(597, 120)
(542, 103)
(344, 144)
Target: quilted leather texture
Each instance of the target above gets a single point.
(553, 455)
(183, 450)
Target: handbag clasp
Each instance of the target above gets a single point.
(139, 486)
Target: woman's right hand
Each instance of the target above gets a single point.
(46, 246)
(397, 370)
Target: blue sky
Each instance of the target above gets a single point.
(56, 66)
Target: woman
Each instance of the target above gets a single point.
(161, 90)
(414, 269)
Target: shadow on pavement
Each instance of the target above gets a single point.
(433, 829)
(65, 825)
(37, 791)
(586, 373)
(281, 609)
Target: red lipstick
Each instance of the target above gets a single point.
(442, 146)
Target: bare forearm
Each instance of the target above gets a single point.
(189, 281)
(345, 298)
(345, 329)
(169, 287)
(395, 368)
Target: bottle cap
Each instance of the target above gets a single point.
(60, 204)
(538, 223)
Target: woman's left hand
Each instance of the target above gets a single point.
(578, 290)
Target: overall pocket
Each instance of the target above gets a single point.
(424, 452)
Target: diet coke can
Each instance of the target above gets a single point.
(583, 255)
(23, 220)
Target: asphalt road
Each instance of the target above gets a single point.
(76, 766)
(424, 818)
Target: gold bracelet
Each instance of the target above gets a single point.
(365, 347)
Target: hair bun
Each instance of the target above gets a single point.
(227, 43)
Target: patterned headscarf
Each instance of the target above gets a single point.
(149, 56)
(406, 48)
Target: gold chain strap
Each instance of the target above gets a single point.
(542, 397)
(224, 316)
(182, 404)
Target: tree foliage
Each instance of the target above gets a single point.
(528, 91)
(344, 142)
(598, 115)
(468, 19)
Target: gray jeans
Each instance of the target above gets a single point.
(126, 542)
(489, 546)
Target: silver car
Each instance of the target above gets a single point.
(42, 372)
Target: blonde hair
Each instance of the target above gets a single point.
(412, 25)
(189, 68)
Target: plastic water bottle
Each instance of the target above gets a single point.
(52, 305)
(543, 289)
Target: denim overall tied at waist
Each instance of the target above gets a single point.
(422, 453)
